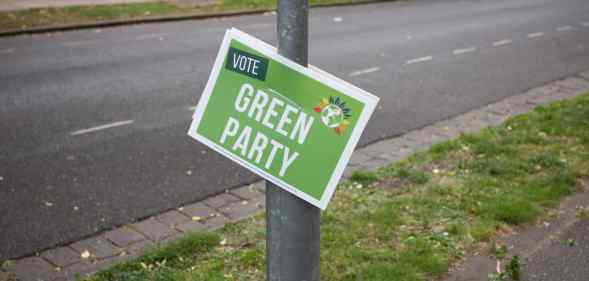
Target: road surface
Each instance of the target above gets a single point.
(93, 123)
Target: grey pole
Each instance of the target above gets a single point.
(292, 241)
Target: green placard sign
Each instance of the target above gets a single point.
(292, 125)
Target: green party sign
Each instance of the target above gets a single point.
(292, 125)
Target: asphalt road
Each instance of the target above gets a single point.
(63, 178)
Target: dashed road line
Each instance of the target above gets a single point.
(464, 51)
(564, 28)
(536, 34)
(78, 43)
(151, 36)
(502, 42)
(260, 25)
(418, 60)
(102, 127)
(364, 71)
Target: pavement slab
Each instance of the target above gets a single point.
(239, 210)
(247, 192)
(124, 236)
(138, 248)
(61, 256)
(154, 230)
(221, 200)
(199, 210)
(88, 267)
(33, 269)
(98, 247)
(173, 217)
(191, 226)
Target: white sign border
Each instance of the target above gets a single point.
(267, 50)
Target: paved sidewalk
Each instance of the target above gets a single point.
(556, 249)
(13, 5)
(98, 252)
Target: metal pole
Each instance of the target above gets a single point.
(292, 252)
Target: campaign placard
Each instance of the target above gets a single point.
(292, 125)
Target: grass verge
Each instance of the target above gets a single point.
(413, 219)
(46, 17)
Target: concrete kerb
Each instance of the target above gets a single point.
(159, 19)
(120, 244)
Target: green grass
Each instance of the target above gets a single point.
(84, 14)
(364, 177)
(410, 221)
(41, 17)
(166, 259)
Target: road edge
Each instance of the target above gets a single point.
(160, 19)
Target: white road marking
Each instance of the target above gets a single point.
(564, 28)
(101, 127)
(502, 42)
(6, 51)
(260, 25)
(534, 35)
(151, 36)
(417, 60)
(338, 19)
(585, 23)
(364, 71)
(78, 43)
(465, 50)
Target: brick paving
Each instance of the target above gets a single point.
(95, 253)
(154, 229)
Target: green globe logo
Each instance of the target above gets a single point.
(334, 113)
(332, 116)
